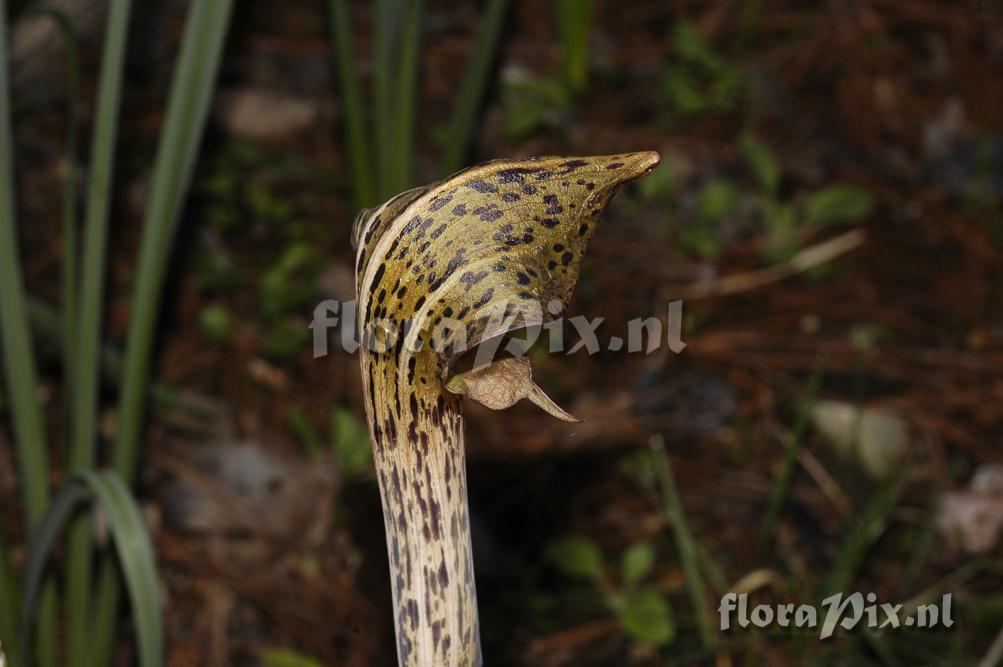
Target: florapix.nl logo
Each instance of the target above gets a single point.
(337, 321)
(842, 610)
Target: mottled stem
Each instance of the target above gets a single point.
(423, 487)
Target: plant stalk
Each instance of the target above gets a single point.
(423, 488)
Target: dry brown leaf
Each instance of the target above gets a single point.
(503, 384)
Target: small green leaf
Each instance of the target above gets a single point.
(838, 203)
(691, 47)
(287, 657)
(699, 80)
(725, 89)
(682, 93)
(303, 430)
(244, 153)
(577, 557)
(638, 561)
(700, 241)
(761, 163)
(285, 340)
(647, 617)
(660, 186)
(289, 283)
(530, 103)
(215, 322)
(215, 269)
(781, 241)
(639, 467)
(718, 200)
(267, 207)
(351, 442)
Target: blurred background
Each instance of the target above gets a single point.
(829, 208)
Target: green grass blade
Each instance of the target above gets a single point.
(923, 547)
(10, 602)
(18, 353)
(135, 554)
(87, 327)
(47, 323)
(187, 111)
(384, 40)
(685, 544)
(69, 258)
(475, 80)
(862, 534)
(42, 541)
(303, 430)
(782, 485)
(405, 96)
(45, 647)
(356, 131)
(711, 571)
(105, 611)
(573, 19)
(68, 263)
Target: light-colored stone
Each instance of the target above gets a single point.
(972, 519)
(261, 114)
(876, 438)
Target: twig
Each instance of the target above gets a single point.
(806, 259)
(993, 658)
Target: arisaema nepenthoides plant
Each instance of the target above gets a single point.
(444, 273)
